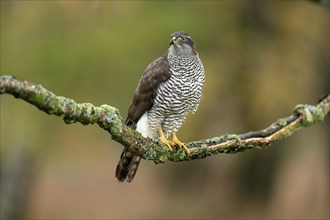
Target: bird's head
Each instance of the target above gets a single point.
(182, 44)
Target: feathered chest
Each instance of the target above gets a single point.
(188, 74)
(182, 92)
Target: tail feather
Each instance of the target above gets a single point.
(127, 166)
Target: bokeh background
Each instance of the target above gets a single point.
(261, 59)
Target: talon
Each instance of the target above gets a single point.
(173, 142)
(163, 139)
(176, 141)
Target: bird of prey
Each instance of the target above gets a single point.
(168, 90)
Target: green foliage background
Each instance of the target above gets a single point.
(261, 59)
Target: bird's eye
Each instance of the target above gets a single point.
(183, 39)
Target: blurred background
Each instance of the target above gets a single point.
(261, 59)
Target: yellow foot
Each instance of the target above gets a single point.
(173, 142)
(163, 139)
(176, 141)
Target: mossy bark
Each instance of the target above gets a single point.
(109, 119)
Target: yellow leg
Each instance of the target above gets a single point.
(176, 141)
(163, 139)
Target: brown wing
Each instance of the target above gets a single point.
(156, 73)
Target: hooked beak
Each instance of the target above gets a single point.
(173, 41)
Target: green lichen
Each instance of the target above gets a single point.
(204, 145)
(132, 133)
(109, 119)
(87, 113)
(150, 154)
(231, 137)
(311, 114)
(112, 119)
(39, 98)
(162, 159)
(180, 155)
(213, 140)
(318, 114)
(53, 105)
(70, 109)
(281, 122)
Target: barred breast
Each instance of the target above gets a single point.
(178, 96)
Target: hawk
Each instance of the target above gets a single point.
(168, 90)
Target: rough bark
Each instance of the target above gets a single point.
(109, 118)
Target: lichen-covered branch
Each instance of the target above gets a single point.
(109, 118)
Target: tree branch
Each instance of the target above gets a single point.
(109, 118)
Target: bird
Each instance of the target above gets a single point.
(170, 88)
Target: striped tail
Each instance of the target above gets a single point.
(127, 166)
